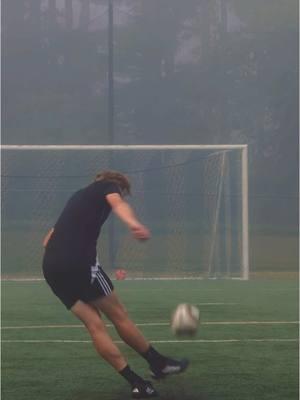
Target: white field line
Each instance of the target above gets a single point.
(154, 324)
(179, 278)
(22, 279)
(217, 304)
(162, 341)
(188, 278)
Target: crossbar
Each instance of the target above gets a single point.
(125, 147)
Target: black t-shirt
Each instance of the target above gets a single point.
(76, 232)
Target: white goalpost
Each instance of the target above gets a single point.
(194, 198)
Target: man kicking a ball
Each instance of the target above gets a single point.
(75, 276)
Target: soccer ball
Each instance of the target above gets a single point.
(120, 274)
(185, 320)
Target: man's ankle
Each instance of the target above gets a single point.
(130, 376)
(154, 358)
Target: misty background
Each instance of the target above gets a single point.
(185, 72)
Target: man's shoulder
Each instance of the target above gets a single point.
(106, 187)
(94, 186)
(97, 186)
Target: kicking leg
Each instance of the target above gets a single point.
(109, 351)
(117, 314)
(101, 339)
(160, 365)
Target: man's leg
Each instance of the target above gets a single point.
(117, 314)
(101, 339)
(109, 351)
(115, 311)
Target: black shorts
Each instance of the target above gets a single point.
(72, 284)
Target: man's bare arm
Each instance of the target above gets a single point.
(124, 211)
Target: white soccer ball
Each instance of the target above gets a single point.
(185, 320)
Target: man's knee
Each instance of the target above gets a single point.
(118, 314)
(94, 325)
(111, 307)
(89, 316)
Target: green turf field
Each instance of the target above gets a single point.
(246, 347)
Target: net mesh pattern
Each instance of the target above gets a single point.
(190, 199)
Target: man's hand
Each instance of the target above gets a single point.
(140, 232)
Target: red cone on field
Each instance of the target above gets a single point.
(120, 274)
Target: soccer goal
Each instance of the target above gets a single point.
(194, 199)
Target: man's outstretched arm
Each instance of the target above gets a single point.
(124, 211)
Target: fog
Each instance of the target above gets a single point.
(184, 72)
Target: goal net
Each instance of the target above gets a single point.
(193, 199)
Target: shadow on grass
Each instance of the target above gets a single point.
(179, 393)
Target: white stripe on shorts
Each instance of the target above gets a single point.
(105, 286)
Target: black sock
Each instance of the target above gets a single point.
(130, 376)
(154, 358)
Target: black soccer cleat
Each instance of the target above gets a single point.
(173, 367)
(143, 390)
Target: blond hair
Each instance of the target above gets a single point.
(116, 177)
